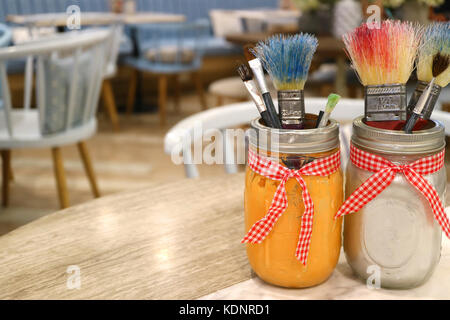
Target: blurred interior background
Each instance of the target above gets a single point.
(165, 60)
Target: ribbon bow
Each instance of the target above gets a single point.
(274, 171)
(385, 172)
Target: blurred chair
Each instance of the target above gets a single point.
(69, 72)
(324, 79)
(232, 88)
(239, 114)
(112, 54)
(5, 40)
(228, 88)
(5, 35)
(168, 50)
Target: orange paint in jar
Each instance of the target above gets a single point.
(274, 259)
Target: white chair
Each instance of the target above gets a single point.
(444, 117)
(5, 40)
(241, 114)
(112, 53)
(5, 35)
(69, 73)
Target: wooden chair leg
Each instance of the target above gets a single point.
(162, 98)
(88, 167)
(132, 91)
(6, 167)
(176, 95)
(60, 178)
(11, 172)
(219, 101)
(110, 104)
(199, 87)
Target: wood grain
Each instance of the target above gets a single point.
(6, 170)
(174, 241)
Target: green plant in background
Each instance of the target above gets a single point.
(312, 5)
(398, 3)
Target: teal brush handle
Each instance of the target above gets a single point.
(266, 118)
(411, 123)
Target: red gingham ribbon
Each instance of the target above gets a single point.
(274, 171)
(385, 172)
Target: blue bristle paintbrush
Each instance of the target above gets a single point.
(287, 60)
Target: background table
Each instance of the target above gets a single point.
(94, 18)
(173, 241)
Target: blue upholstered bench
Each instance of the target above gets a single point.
(195, 10)
(192, 9)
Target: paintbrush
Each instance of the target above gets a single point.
(436, 39)
(247, 77)
(383, 57)
(319, 118)
(333, 99)
(258, 72)
(287, 60)
(440, 65)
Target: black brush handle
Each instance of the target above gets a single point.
(319, 118)
(271, 110)
(411, 123)
(266, 118)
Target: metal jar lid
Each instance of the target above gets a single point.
(305, 141)
(394, 142)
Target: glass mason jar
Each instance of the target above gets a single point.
(274, 259)
(396, 231)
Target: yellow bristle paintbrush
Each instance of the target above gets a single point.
(439, 67)
(436, 39)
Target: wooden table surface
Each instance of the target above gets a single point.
(94, 18)
(173, 241)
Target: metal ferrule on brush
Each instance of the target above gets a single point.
(385, 102)
(253, 90)
(431, 101)
(291, 104)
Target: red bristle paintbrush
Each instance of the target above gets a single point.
(384, 59)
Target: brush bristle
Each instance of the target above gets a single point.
(248, 52)
(440, 64)
(244, 73)
(436, 39)
(287, 59)
(383, 54)
(333, 99)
